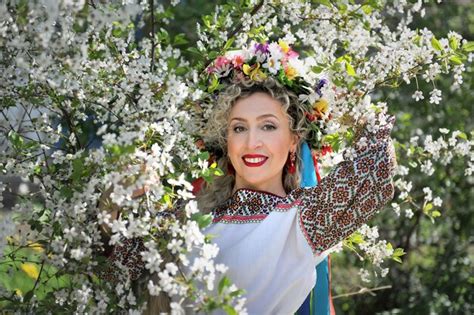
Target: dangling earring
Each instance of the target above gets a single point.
(292, 163)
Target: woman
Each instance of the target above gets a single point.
(271, 233)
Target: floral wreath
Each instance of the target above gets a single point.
(278, 60)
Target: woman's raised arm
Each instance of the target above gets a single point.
(350, 195)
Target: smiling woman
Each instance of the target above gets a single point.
(259, 143)
(270, 232)
(264, 115)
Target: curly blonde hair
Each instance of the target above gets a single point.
(215, 135)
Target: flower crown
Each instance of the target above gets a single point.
(260, 61)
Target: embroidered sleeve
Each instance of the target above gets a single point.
(125, 258)
(350, 195)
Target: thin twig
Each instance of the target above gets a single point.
(152, 9)
(363, 291)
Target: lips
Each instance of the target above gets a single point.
(254, 160)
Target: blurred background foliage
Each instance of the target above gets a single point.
(436, 276)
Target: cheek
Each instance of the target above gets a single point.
(232, 147)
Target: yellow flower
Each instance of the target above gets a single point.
(284, 46)
(246, 68)
(254, 72)
(30, 269)
(320, 107)
(290, 73)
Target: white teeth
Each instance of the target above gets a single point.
(255, 160)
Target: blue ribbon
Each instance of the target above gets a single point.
(317, 302)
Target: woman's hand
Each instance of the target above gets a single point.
(106, 203)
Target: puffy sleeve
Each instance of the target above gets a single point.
(350, 195)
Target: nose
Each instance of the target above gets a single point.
(254, 139)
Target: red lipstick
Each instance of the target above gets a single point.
(254, 160)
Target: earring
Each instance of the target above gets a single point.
(292, 163)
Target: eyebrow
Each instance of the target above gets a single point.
(261, 117)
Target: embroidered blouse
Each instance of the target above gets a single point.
(272, 244)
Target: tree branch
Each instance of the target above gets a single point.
(152, 9)
(363, 291)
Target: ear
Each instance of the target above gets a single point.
(295, 140)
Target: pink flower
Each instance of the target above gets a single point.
(238, 61)
(292, 54)
(221, 62)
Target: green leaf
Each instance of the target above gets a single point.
(462, 135)
(214, 84)
(207, 20)
(435, 214)
(356, 238)
(317, 69)
(180, 39)
(203, 156)
(229, 310)
(427, 208)
(194, 50)
(456, 60)
(397, 259)
(218, 172)
(367, 9)
(453, 43)
(350, 70)
(213, 55)
(436, 44)
(229, 43)
(398, 252)
(225, 282)
(203, 220)
(389, 246)
(15, 139)
(323, 2)
(468, 46)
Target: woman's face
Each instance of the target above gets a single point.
(258, 143)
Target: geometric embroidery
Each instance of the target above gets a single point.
(250, 206)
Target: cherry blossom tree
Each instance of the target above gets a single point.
(112, 100)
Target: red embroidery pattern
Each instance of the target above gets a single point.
(126, 255)
(250, 206)
(351, 194)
